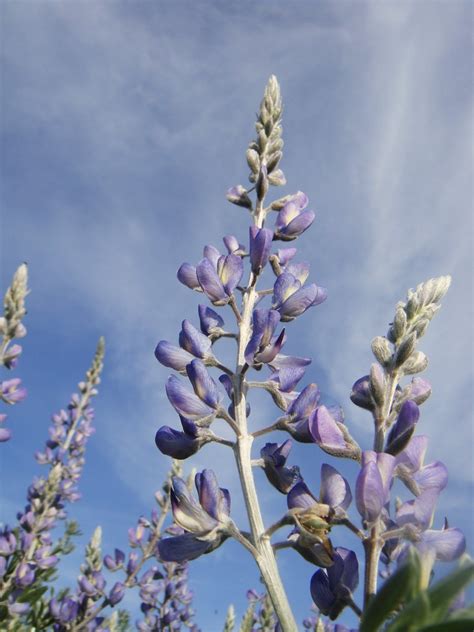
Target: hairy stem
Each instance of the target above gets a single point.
(373, 544)
(265, 556)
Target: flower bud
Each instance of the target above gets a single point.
(381, 350)
(377, 384)
(416, 363)
(405, 350)
(253, 160)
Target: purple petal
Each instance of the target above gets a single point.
(285, 255)
(299, 270)
(288, 213)
(298, 225)
(289, 362)
(175, 444)
(413, 455)
(5, 435)
(419, 511)
(360, 395)
(324, 429)
(305, 403)
(187, 513)
(335, 490)
(193, 341)
(432, 476)
(271, 350)
(230, 272)
(209, 319)
(185, 402)
(321, 593)
(369, 492)
(212, 254)
(210, 282)
(420, 390)
(231, 243)
(448, 544)
(300, 301)
(260, 246)
(203, 384)
(345, 571)
(181, 548)
(285, 285)
(171, 356)
(300, 497)
(187, 275)
(287, 378)
(209, 492)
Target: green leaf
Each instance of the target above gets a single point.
(432, 605)
(456, 625)
(32, 594)
(414, 615)
(443, 592)
(393, 593)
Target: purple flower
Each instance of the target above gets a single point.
(263, 346)
(299, 270)
(11, 355)
(335, 490)
(284, 255)
(114, 563)
(210, 320)
(171, 356)
(181, 445)
(419, 390)
(233, 246)
(5, 434)
(293, 220)
(403, 428)
(203, 384)
(194, 341)
(274, 456)
(292, 299)
(331, 589)
(416, 476)
(43, 557)
(185, 402)
(260, 246)
(11, 391)
(373, 484)
(287, 378)
(187, 276)
(299, 412)
(25, 575)
(206, 522)
(219, 278)
(360, 394)
(328, 433)
(116, 594)
(64, 611)
(238, 195)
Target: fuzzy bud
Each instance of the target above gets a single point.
(381, 350)
(416, 363)
(377, 384)
(405, 350)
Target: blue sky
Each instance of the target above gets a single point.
(123, 124)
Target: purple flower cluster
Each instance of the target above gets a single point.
(11, 327)
(165, 599)
(260, 338)
(28, 551)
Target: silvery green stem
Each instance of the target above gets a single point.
(373, 544)
(265, 557)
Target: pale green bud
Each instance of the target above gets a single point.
(382, 350)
